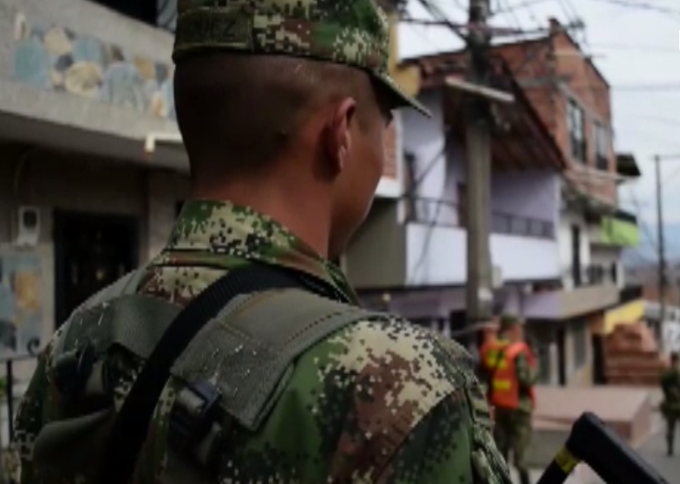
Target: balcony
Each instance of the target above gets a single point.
(432, 211)
(78, 76)
(594, 289)
(430, 247)
(618, 230)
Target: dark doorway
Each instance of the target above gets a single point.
(599, 376)
(562, 356)
(576, 255)
(91, 252)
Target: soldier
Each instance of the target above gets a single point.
(511, 369)
(670, 406)
(282, 108)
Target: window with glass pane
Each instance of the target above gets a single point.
(576, 124)
(601, 147)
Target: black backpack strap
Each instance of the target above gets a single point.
(130, 426)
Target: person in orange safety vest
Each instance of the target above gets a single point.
(511, 370)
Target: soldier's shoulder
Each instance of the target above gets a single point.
(407, 356)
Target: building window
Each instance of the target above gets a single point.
(577, 132)
(601, 147)
(581, 340)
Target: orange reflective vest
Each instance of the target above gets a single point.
(498, 357)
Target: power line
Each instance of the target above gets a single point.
(644, 6)
(650, 48)
(518, 6)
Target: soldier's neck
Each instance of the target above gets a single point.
(298, 210)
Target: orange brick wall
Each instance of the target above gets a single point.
(391, 152)
(593, 95)
(534, 65)
(650, 292)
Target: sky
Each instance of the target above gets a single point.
(634, 43)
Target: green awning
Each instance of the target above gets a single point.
(619, 232)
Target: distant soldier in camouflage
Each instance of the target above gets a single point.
(512, 373)
(283, 107)
(670, 406)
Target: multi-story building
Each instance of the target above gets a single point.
(411, 256)
(559, 265)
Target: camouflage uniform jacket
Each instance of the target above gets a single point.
(527, 377)
(379, 401)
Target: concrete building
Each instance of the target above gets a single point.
(562, 272)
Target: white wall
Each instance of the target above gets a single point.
(424, 138)
(437, 255)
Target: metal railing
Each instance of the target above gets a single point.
(591, 275)
(8, 361)
(445, 213)
(503, 223)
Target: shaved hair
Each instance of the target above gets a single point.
(238, 112)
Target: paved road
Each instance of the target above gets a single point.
(653, 451)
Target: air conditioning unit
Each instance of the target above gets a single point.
(28, 227)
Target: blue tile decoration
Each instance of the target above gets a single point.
(58, 59)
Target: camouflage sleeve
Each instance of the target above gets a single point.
(526, 375)
(29, 420)
(452, 443)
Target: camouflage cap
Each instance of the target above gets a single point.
(507, 321)
(351, 32)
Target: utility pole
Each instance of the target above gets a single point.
(479, 296)
(660, 242)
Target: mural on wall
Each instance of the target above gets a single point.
(58, 59)
(21, 310)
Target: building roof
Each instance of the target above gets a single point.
(626, 165)
(521, 122)
(433, 61)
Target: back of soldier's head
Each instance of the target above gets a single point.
(250, 75)
(675, 358)
(284, 98)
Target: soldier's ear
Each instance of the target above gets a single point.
(338, 135)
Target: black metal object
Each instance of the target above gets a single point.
(593, 443)
(32, 348)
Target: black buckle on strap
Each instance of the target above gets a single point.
(192, 420)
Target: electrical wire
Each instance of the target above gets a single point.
(644, 6)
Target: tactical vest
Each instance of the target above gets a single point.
(235, 369)
(499, 358)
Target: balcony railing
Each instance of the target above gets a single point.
(502, 223)
(591, 275)
(438, 212)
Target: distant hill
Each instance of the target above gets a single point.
(646, 252)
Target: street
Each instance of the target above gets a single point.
(653, 450)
